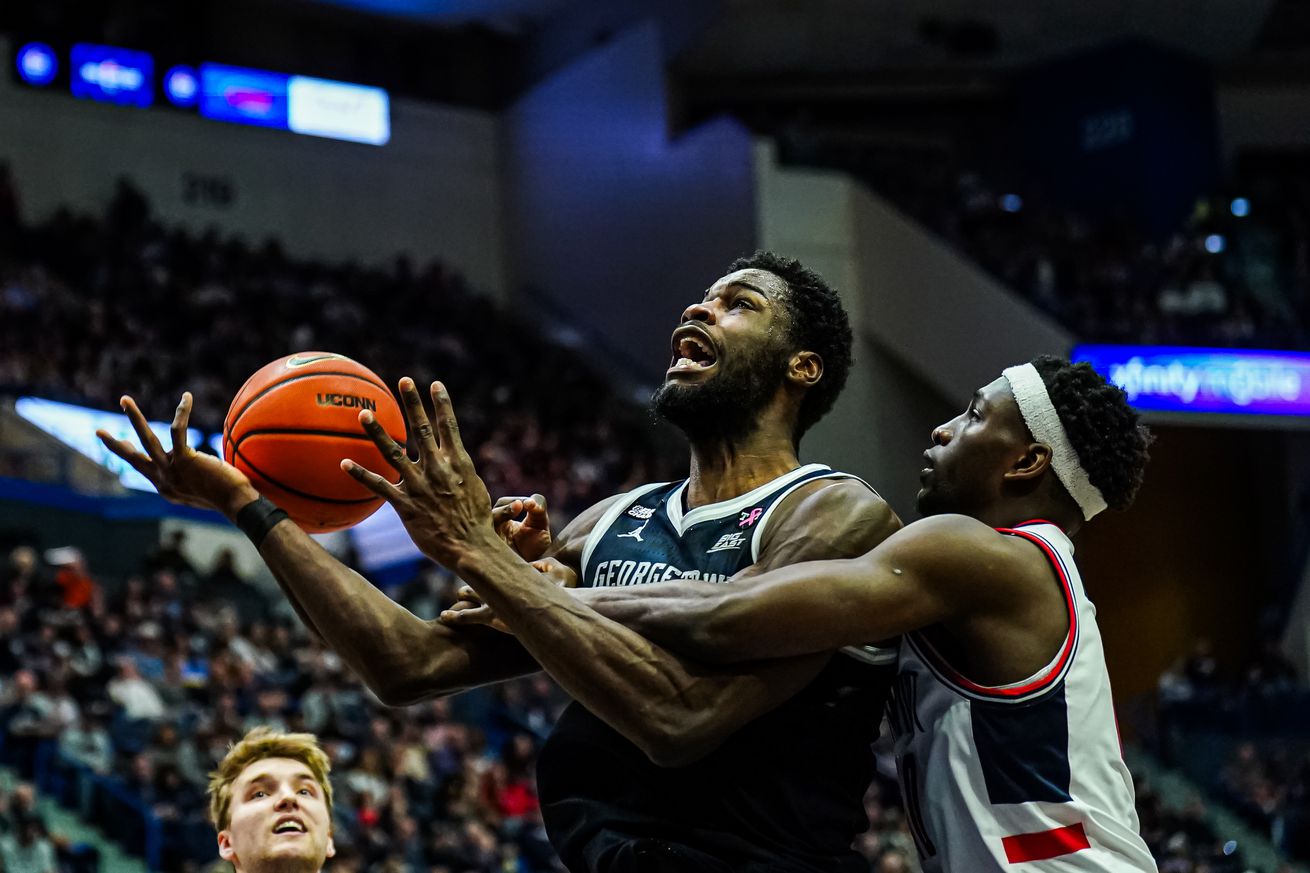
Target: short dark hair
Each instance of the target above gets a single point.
(1103, 429)
(817, 323)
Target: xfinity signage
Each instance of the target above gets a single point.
(1215, 381)
(113, 75)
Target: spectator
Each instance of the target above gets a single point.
(139, 699)
(29, 850)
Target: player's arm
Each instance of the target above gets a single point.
(675, 710)
(399, 656)
(935, 570)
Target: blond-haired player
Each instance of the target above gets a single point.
(271, 801)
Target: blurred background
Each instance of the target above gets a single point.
(519, 197)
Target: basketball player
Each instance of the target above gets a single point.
(1006, 739)
(780, 747)
(271, 801)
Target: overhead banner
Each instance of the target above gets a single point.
(1214, 381)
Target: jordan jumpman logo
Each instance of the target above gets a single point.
(635, 533)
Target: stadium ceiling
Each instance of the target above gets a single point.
(772, 36)
(833, 36)
(510, 16)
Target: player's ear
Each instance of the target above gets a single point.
(1034, 460)
(225, 850)
(331, 846)
(805, 368)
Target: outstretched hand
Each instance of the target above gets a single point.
(182, 475)
(530, 538)
(440, 499)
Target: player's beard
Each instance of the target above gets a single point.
(726, 406)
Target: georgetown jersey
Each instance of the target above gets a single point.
(1026, 774)
(784, 793)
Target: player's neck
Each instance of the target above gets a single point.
(1008, 513)
(722, 470)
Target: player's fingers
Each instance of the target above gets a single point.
(419, 425)
(503, 512)
(468, 614)
(447, 426)
(537, 516)
(135, 459)
(372, 481)
(557, 572)
(180, 421)
(505, 501)
(143, 432)
(468, 594)
(393, 451)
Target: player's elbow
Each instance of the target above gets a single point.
(679, 748)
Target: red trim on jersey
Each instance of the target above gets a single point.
(1045, 845)
(1038, 521)
(1038, 682)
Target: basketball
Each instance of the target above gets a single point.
(293, 422)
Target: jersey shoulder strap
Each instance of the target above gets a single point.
(617, 508)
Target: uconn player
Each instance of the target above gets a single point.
(662, 764)
(1006, 739)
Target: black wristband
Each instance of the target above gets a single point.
(259, 517)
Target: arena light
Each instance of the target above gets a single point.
(1215, 244)
(338, 110)
(37, 64)
(1240, 207)
(182, 86)
(112, 75)
(1235, 382)
(1011, 202)
(76, 426)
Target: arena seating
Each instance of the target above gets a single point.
(1236, 274)
(95, 307)
(1244, 740)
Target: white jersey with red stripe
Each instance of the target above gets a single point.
(1021, 777)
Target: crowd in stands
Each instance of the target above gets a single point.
(1244, 739)
(94, 307)
(1236, 273)
(121, 705)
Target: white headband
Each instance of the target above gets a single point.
(1040, 416)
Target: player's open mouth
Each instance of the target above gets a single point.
(692, 351)
(289, 826)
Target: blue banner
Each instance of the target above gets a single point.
(1223, 381)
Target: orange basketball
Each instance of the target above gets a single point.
(292, 423)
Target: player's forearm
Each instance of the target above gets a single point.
(667, 613)
(773, 615)
(373, 634)
(639, 689)
(400, 657)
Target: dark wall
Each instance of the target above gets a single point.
(1196, 557)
